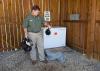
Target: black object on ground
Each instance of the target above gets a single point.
(26, 45)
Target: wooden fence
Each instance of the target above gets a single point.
(10, 36)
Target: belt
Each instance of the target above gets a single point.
(35, 32)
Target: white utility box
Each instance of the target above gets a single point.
(57, 38)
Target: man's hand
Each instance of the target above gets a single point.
(46, 24)
(49, 26)
(25, 31)
(26, 35)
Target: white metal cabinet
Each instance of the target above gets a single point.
(56, 39)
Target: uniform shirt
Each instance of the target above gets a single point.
(33, 23)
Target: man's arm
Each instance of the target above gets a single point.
(25, 25)
(25, 32)
(47, 24)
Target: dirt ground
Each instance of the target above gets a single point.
(74, 61)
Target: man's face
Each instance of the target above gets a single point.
(35, 12)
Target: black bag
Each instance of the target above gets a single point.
(26, 45)
(47, 31)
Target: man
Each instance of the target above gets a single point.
(32, 28)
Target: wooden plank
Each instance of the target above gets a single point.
(76, 21)
(26, 7)
(97, 40)
(98, 10)
(62, 12)
(54, 9)
(91, 28)
(1, 9)
(14, 13)
(1, 21)
(46, 4)
(20, 21)
(5, 20)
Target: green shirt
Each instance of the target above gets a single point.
(33, 23)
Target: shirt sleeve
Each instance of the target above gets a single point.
(25, 23)
(42, 19)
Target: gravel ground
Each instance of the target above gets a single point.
(20, 61)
